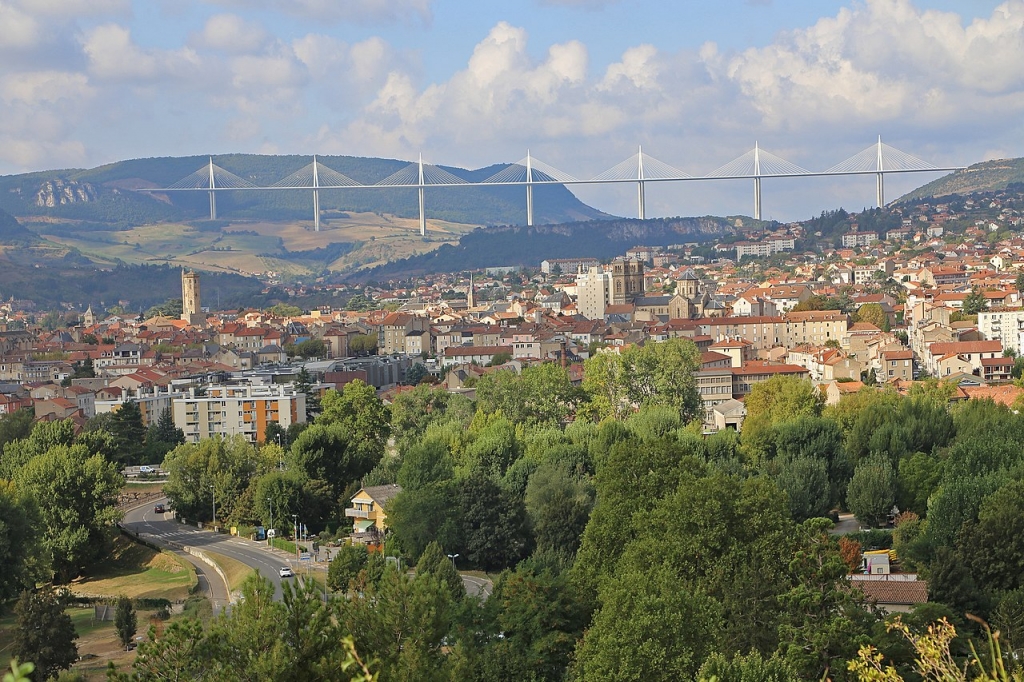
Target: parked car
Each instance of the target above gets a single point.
(286, 572)
(145, 469)
(159, 509)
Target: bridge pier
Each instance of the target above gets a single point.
(757, 182)
(880, 189)
(423, 204)
(316, 198)
(529, 189)
(213, 197)
(641, 200)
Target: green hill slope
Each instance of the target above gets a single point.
(981, 177)
(109, 194)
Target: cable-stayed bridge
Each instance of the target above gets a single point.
(757, 164)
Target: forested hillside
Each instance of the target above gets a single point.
(528, 246)
(108, 194)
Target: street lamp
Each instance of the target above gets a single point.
(453, 557)
(280, 459)
(269, 530)
(295, 534)
(213, 494)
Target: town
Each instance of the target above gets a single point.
(938, 294)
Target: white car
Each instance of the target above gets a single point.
(286, 572)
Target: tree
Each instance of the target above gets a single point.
(17, 539)
(805, 481)
(362, 344)
(558, 507)
(436, 564)
(415, 374)
(77, 494)
(358, 409)
(541, 621)
(304, 385)
(329, 453)
(975, 301)
(994, 545)
(824, 623)
(174, 656)
(129, 432)
(164, 431)
(872, 490)
(311, 348)
(657, 373)
(493, 524)
(750, 668)
(345, 565)
(779, 399)
(500, 358)
(651, 625)
(45, 634)
(541, 394)
(873, 313)
(126, 621)
(1019, 282)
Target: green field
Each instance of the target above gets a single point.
(256, 247)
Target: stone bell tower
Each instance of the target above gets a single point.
(190, 309)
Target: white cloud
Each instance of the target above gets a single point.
(881, 61)
(44, 87)
(69, 9)
(358, 11)
(231, 33)
(18, 28)
(113, 55)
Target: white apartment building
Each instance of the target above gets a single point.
(1003, 324)
(593, 292)
(230, 410)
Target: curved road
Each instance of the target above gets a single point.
(165, 530)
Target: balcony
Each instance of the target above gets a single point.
(357, 513)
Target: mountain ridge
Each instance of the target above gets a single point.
(109, 193)
(996, 174)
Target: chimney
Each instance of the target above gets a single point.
(563, 353)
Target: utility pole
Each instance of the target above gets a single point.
(295, 531)
(269, 530)
(213, 494)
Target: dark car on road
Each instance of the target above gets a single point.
(159, 509)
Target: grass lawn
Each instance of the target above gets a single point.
(137, 571)
(235, 570)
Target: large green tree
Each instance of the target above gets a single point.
(45, 634)
(781, 398)
(657, 373)
(541, 394)
(872, 490)
(129, 432)
(363, 415)
(18, 517)
(77, 494)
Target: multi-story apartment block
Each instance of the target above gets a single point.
(395, 327)
(245, 410)
(1003, 324)
(593, 293)
(816, 327)
(859, 239)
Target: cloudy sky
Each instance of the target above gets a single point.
(580, 83)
